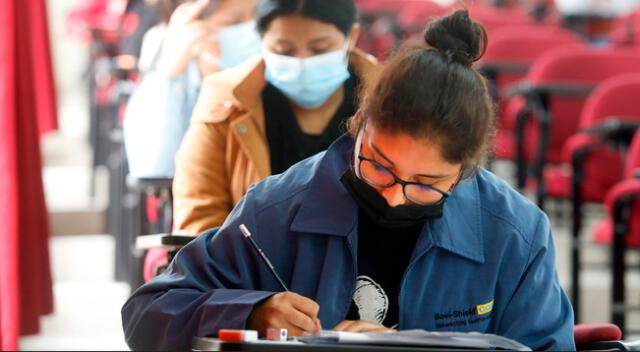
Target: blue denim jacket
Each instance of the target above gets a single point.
(487, 265)
(156, 119)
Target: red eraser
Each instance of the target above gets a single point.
(237, 335)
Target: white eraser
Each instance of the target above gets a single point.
(276, 334)
(250, 335)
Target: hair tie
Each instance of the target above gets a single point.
(458, 56)
(449, 54)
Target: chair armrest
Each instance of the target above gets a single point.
(168, 241)
(142, 184)
(504, 66)
(623, 192)
(521, 88)
(619, 130)
(579, 143)
(526, 88)
(596, 332)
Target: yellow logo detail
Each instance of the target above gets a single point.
(485, 308)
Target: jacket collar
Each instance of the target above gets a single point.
(327, 208)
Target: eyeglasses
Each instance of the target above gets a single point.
(377, 175)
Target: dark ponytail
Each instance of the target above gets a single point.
(433, 92)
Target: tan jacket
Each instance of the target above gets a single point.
(225, 149)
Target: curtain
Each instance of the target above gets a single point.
(27, 110)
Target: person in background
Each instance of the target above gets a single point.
(602, 8)
(194, 39)
(265, 115)
(396, 225)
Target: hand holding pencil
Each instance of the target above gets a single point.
(284, 310)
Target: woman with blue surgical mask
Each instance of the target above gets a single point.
(193, 39)
(265, 115)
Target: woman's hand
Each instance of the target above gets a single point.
(361, 326)
(286, 310)
(186, 37)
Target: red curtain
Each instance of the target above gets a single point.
(27, 109)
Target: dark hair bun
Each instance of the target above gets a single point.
(457, 36)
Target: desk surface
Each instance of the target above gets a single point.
(213, 344)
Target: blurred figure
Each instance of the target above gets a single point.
(263, 116)
(594, 19)
(194, 38)
(604, 8)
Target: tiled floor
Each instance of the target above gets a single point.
(87, 300)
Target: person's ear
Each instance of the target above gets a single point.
(354, 35)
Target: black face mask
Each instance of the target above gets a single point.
(376, 208)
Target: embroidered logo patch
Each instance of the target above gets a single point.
(485, 308)
(464, 317)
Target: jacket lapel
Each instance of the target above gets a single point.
(249, 126)
(252, 140)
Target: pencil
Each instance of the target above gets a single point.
(247, 235)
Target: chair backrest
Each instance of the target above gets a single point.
(512, 51)
(632, 166)
(155, 203)
(416, 15)
(382, 6)
(583, 66)
(611, 98)
(573, 67)
(524, 44)
(635, 29)
(493, 17)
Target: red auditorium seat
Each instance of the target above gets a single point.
(622, 228)
(597, 336)
(510, 54)
(379, 6)
(609, 110)
(629, 186)
(414, 16)
(553, 95)
(512, 50)
(495, 17)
